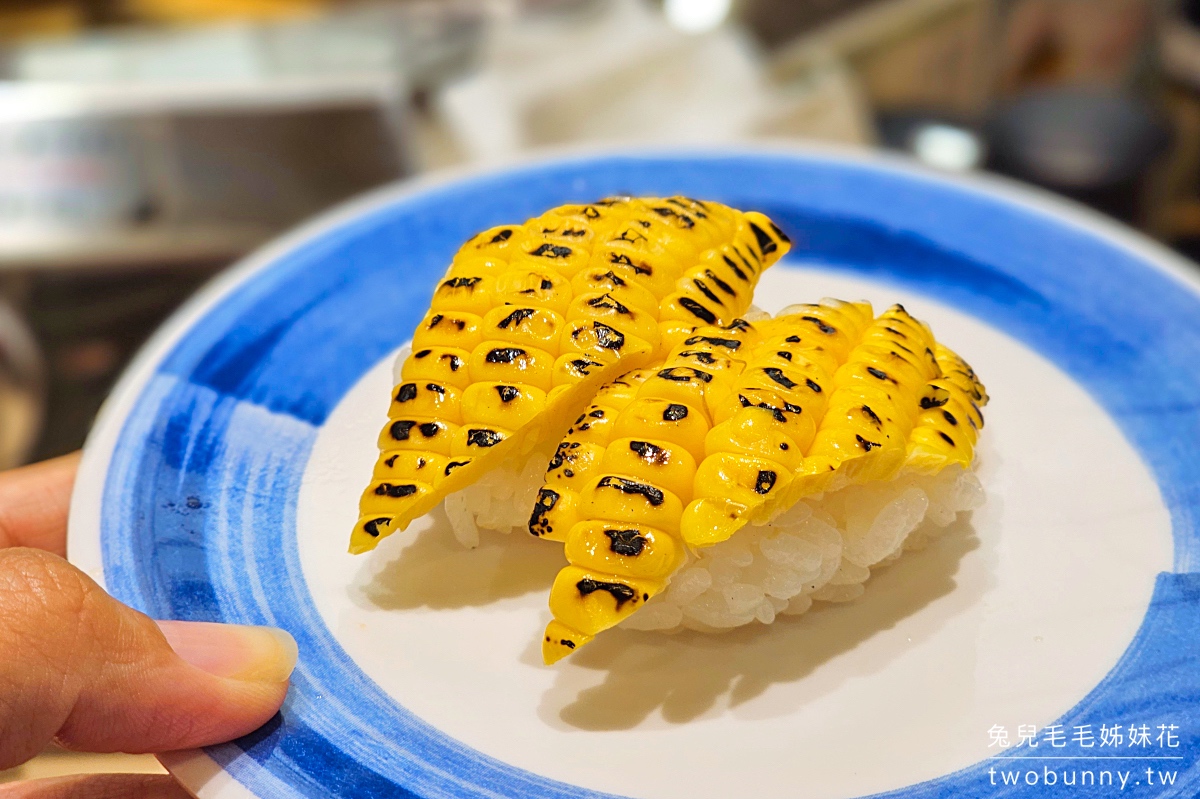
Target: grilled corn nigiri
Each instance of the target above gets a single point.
(739, 424)
(532, 319)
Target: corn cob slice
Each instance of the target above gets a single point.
(532, 319)
(739, 424)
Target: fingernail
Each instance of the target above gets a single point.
(239, 652)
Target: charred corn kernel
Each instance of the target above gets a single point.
(448, 329)
(618, 284)
(592, 600)
(502, 405)
(740, 478)
(574, 367)
(541, 288)
(386, 497)
(427, 400)
(537, 327)
(426, 467)
(658, 462)
(420, 435)
(497, 361)
(627, 499)
(606, 308)
(473, 439)
(593, 426)
(446, 366)
(600, 341)
(531, 320)
(624, 550)
(368, 530)
(573, 465)
(769, 412)
(664, 420)
(755, 431)
(471, 294)
(561, 641)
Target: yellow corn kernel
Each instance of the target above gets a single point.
(502, 405)
(499, 362)
(589, 601)
(446, 366)
(635, 551)
(537, 327)
(453, 329)
(664, 420)
(427, 400)
(658, 462)
(421, 435)
(627, 499)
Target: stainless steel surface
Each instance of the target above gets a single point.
(140, 175)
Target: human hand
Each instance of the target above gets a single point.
(81, 669)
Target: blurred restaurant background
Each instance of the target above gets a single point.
(147, 144)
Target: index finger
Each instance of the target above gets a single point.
(34, 501)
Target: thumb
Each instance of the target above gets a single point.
(84, 669)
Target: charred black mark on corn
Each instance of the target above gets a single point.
(812, 385)
(552, 251)
(685, 374)
(421, 354)
(825, 328)
(879, 374)
(865, 444)
(390, 462)
(482, 437)
(719, 283)
(516, 317)
(949, 417)
(765, 481)
(435, 388)
(928, 403)
(452, 465)
(581, 365)
(401, 428)
(737, 270)
(697, 310)
(395, 491)
(618, 591)
(452, 360)
(429, 429)
(503, 235)
(508, 393)
(703, 357)
(371, 526)
(947, 438)
(765, 242)
(606, 301)
(727, 343)
(406, 392)
(462, 282)
(546, 500)
(674, 412)
(779, 377)
(704, 289)
(629, 543)
(505, 355)
(874, 417)
(606, 337)
(650, 453)
(651, 494)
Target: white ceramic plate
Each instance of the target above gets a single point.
(223, 477)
